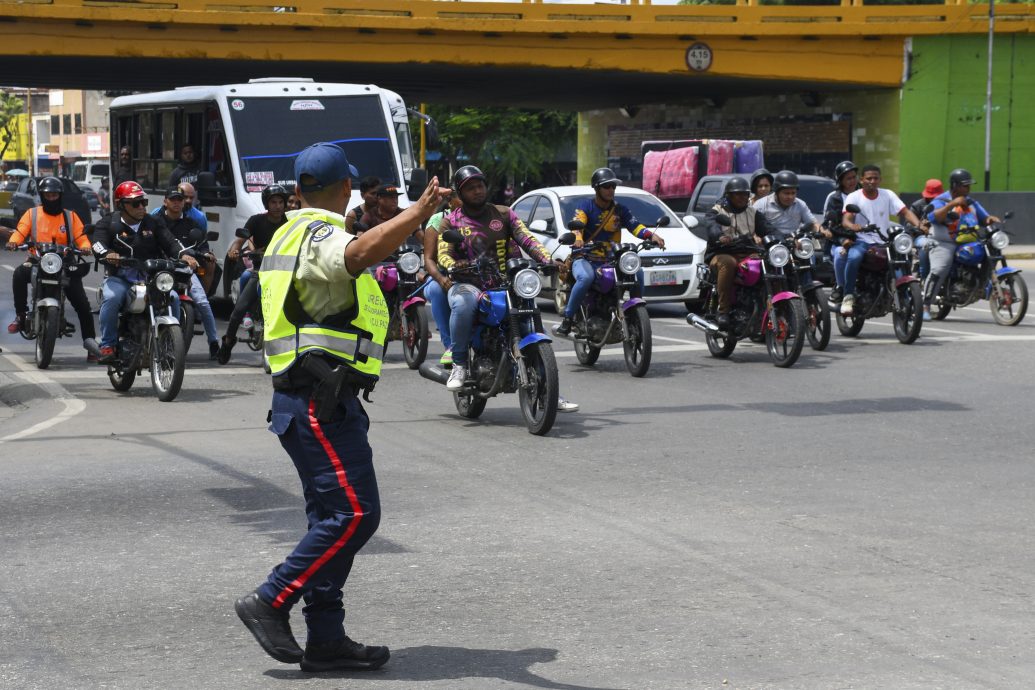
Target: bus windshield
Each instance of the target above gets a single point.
(271, 132)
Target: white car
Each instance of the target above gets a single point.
(668, 276)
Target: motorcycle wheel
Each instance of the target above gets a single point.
(785, 334)
(256, 338)
(167, 360)
(910, 316)
(817, 321)
(469, 406)
(121, 381)
(1014, 306)
(638, 341)
(586, 353)
(849, 325)
(414, 329)
(721, 346)
(941, 312)
(50, 322)
(539, 400)
(188, 317)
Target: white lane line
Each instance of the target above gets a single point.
(654, 336)
(71, 404)
(9, 268)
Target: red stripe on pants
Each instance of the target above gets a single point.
(343, 482)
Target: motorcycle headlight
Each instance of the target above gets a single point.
(903, 243)
(164, 282)
(629, 263)
(1000, 240)
(527, 283)
(804, 248)
(779, 255)
(51, 263)
(409, 262)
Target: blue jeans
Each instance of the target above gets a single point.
(846, 268)
(463, 303)
(439, 302)
(342, 505)
(208, 319)
(115, 295)
(922, 254)
(243, 280)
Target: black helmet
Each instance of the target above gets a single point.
(272, 191)
(843, 168)
(468, 172)
(737, 184)
(50, 184)
(602, 176)
(960, 177)
(759, 174)
(785, 179)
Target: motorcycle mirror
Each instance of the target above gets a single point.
(1008, 215)
(196, 236)
(566, 239)
(212, 236)
(723, 220)
(690, 221)
(662, 222)
(576, 225)
(852, 208)
(89, 231)
(452, 236)
(243, 233)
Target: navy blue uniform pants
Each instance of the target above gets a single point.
(335, 464)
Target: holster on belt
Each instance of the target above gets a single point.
(328, 384)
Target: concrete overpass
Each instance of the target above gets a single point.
(575, 57)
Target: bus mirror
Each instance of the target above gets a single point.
(417, 183)
(206, 187)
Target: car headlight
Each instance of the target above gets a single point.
(1000, 240)
(629, 263)
(527, 283)
(409, 262)
(164, 282)
(779, 255)
(804, 248)
(51, 263)
(902, 243)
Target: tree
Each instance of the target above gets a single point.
(502, 142)
(11, 107)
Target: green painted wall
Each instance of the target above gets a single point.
(943, 105)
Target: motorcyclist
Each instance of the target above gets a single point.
(487, 230)
(129, 231)
(761, 184)
(50, 223)
(386, 208)
(876, 208)
(847, 175)
(946, 234)
(784, 212)
(728, 246)
(603, 220)
(173, 215)
(260, 229)
(368, 192)
(932, 188)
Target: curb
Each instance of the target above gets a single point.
(1020, 256)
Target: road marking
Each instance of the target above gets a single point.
(71, 404)
(9, 268)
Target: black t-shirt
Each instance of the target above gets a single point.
(262, 228)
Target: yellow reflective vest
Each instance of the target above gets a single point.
(355, 337)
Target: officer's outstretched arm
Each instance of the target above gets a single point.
(376, 245)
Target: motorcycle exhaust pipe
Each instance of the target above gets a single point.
(434, 373)
(701, 323)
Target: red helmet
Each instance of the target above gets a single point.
(128, 190)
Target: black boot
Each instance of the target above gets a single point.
(343, 655)
(723, 321)
(565, 328)
(271, 627)
(223, 356)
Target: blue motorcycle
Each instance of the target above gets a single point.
(509, 352)
(977, 274)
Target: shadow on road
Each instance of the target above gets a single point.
(856, 406)
(433, 663)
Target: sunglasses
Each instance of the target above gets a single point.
(137, 203)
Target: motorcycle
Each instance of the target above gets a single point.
(408, 321)
(53, 266)
(763, 307)
(976, 275)
(188, 310)
(606, 316)
(814, 303)
(501, 359)
(885, 284)
(149, 331)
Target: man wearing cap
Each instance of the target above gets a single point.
(387, 207)
(325, 331)
(368, 192)
(920, 209)
(180, 225)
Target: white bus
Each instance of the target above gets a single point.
(246, 137)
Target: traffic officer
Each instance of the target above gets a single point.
(325, 331)
(50, 223)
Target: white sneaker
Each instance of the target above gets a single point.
(566, 405)
(847, 305)
(246, 322)
(456, 378)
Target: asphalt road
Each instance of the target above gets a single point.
(862, 520)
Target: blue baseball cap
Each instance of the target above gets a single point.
(325, 162)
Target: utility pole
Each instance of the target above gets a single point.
(988, 100)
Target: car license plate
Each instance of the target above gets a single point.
(661, 278)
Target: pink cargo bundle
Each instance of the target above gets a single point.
(679, 173)
(720, 156)
(652, 162)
